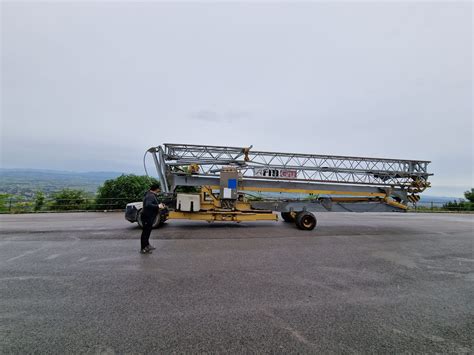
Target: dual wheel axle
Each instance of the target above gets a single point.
(303, 219)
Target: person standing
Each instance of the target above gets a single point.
(150, 210)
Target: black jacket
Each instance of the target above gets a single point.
(150, 205)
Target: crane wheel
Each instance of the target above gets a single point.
(287, 217)
(139, 218)
(305, 220)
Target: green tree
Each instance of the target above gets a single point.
(453, 206)
(469, 195)
(5, 202)
(116, 193)
(69, 199)
(39, 201)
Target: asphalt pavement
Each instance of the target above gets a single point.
(358, 283)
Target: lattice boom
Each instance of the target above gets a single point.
(297, 167)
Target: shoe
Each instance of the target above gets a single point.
(151, 247)
(145, 251)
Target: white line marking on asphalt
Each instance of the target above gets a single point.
(25, 254)
(121, 258)
(83, 259)
(466, 260)
(285, 326)
(51, 257)
(23, 278)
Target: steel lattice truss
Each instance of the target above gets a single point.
(294, 166)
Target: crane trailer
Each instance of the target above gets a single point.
(219, 183)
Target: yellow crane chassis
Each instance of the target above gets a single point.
(234, 216)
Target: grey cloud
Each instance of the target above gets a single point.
(205, 115)
(229, 116)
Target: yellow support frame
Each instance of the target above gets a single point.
(230, 216)
(304, 191)
(391, 202)
(211, 210)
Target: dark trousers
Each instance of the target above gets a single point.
(147, 227)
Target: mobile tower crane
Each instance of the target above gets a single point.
(223, 179)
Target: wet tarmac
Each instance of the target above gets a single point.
(358, 283)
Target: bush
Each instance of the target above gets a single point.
(116, 193)
(462, 205)
(5, 202)
(39, 201)
(22, 206)
(69, 199)
(459, 206)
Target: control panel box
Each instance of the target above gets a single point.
(228, 183)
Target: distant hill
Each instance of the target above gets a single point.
(26, 182)
(435, 201)
(444, 199)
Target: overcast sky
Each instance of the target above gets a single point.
(91, 85)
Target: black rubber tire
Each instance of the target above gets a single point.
(163, 219)
(305, 220)
(156, 223)
(139, 218)
(287, 217)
